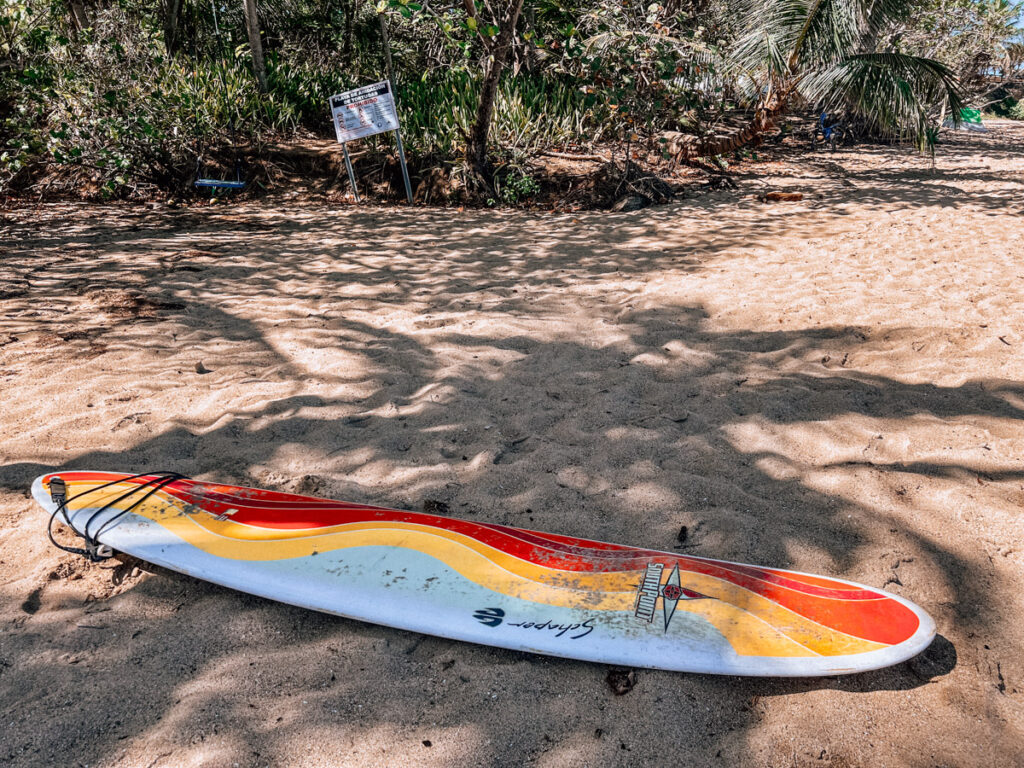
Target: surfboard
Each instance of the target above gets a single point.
(494, 584)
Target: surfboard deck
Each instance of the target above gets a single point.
(502, 586)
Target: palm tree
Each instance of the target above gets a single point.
(827, 52)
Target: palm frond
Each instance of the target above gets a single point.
(892, 91)
(879, 14)
(788, 35)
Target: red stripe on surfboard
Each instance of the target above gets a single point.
(838, 591)
(861, 613)
(804, 578)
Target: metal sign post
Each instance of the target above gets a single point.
(351, 173)
(405, 168)
(366, 112)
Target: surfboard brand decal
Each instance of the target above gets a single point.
(651, 588)
(492, 617)
(558, 629)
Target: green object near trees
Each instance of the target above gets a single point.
(968, 115)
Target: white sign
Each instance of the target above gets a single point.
(364, 112)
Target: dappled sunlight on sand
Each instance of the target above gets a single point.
(834, 386)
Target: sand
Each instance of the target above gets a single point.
(834, 385)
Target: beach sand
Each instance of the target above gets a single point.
(834, 385)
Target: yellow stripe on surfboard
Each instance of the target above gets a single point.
(753, 624)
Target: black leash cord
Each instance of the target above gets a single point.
(156, 486)
(93, 548)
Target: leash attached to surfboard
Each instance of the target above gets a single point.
(94, 549)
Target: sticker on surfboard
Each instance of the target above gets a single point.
(493, 584)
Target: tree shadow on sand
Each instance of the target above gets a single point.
(241, 685)
(374, 387)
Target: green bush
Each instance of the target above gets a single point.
(114, 113)
(1005, 107)
(515, 186)
(531, 113)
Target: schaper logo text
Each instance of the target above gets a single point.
(492, 617)
(652, 588)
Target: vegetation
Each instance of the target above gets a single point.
(120, 97)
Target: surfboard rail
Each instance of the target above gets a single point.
(499, 585)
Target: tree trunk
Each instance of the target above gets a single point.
(172, 17)
(351, 9)
(498, 50)
(252, 24)
(684, 146)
